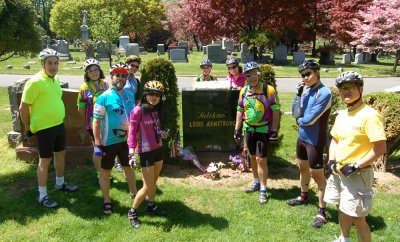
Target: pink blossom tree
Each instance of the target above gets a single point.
(380, 29)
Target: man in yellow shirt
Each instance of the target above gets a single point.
(358, 139)
(42, 113)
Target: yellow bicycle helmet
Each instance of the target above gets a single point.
(153, 86)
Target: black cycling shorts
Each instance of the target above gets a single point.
(257, 143)
(312, 153)
(51, 140)
(148, 159)
(111, 151)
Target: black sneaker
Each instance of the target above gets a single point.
(154, 210)
(66, 187)
(297, 201)
(133, 219)
(48, 202)
(252, 188)
(319, 221)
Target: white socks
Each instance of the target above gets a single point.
(257, 180)
(42, 192)
(59, 181)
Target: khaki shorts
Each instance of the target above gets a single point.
(353, 194)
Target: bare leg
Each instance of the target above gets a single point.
(262, 170)
(345, 222)
(105, 184)
(59, 163)
(363, 231)
(319, 178)
(42, 171)
(130, 179)
(305, 175)
(148, 186)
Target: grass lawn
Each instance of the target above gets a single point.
(383, 68)
(196, 212)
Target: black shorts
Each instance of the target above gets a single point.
(91, 135)
(257, 143)
(111, 151)
(51, 140)
(148, 159)
(312, 153)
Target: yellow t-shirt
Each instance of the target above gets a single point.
(44, 95)
(355, 131)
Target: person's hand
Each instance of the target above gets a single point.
(27, 135)
(165, 134)
(299, 88)
(348, 169)
(273, 136)
(132, 160)
(237, 135)
(99, 150)
(332, 166)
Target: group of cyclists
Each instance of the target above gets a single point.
(124, 126)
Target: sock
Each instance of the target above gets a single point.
(263, 188)
(59, 181)
(322, 211)
(257, 180)
(42, 192)
(304, 195)
(344, 239)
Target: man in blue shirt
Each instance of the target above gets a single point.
(311, 108)
(110, 128)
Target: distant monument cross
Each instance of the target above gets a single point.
(84, 21)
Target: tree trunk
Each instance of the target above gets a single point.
(374, 58)
(196, 42)
(396, 60)
(109, 54)
(381, 164)
(314, 43)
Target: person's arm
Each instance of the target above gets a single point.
(378, 150)
(275, 119)
(25, 113)
(323, 103)
(134, 120)
(96, 132)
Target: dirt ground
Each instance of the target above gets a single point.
(279, 178)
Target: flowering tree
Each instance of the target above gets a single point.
(380, 28)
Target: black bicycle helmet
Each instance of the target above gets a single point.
(309, 64)
(349, 77)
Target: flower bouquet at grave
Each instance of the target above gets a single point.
(189, 155)
(213, 171)
(237, 163)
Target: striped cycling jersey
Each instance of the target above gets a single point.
(313, 119)
(113, 110)
(88, 93)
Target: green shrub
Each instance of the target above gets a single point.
(268, 75)
(163, 70)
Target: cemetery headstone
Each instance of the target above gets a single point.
(161, 49)
(102, 51)
(204, 50)
(84, 26)
(367, 58)
(359, 58)
(27, 67)
(346, 59)
(280, 54)
(9, 66)
(132, 49)
(246, 55)
(299, 57)
(216, 54)
(228, 44)
(216, 42)
(177, 47)
(178, 55)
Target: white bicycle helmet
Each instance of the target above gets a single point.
(250, 66)
(48, 53)
(90, 62)
(349, 77)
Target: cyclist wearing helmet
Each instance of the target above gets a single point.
(315, 106)
(110, 129)
(132, 84)
(258, 110)
(42, 113)
(206, 67)
(94, 85)
(235, 76)
(358, 139)
(144, 140)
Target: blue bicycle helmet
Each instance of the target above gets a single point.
(232, 60)
(250, 66)
(309, 64)
(205, 62)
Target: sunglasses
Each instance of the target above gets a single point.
(121, 75)
(347, 88)
(206, 67)
(133, 65)
(307, 74)
(252, 75)
(154, 93)
(231, 67)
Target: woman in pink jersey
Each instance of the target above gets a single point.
(236, 77)
(144, 139)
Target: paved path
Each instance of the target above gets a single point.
(372, 84)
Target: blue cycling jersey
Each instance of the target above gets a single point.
(313, 119)
(132, 85)
(113, 110)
